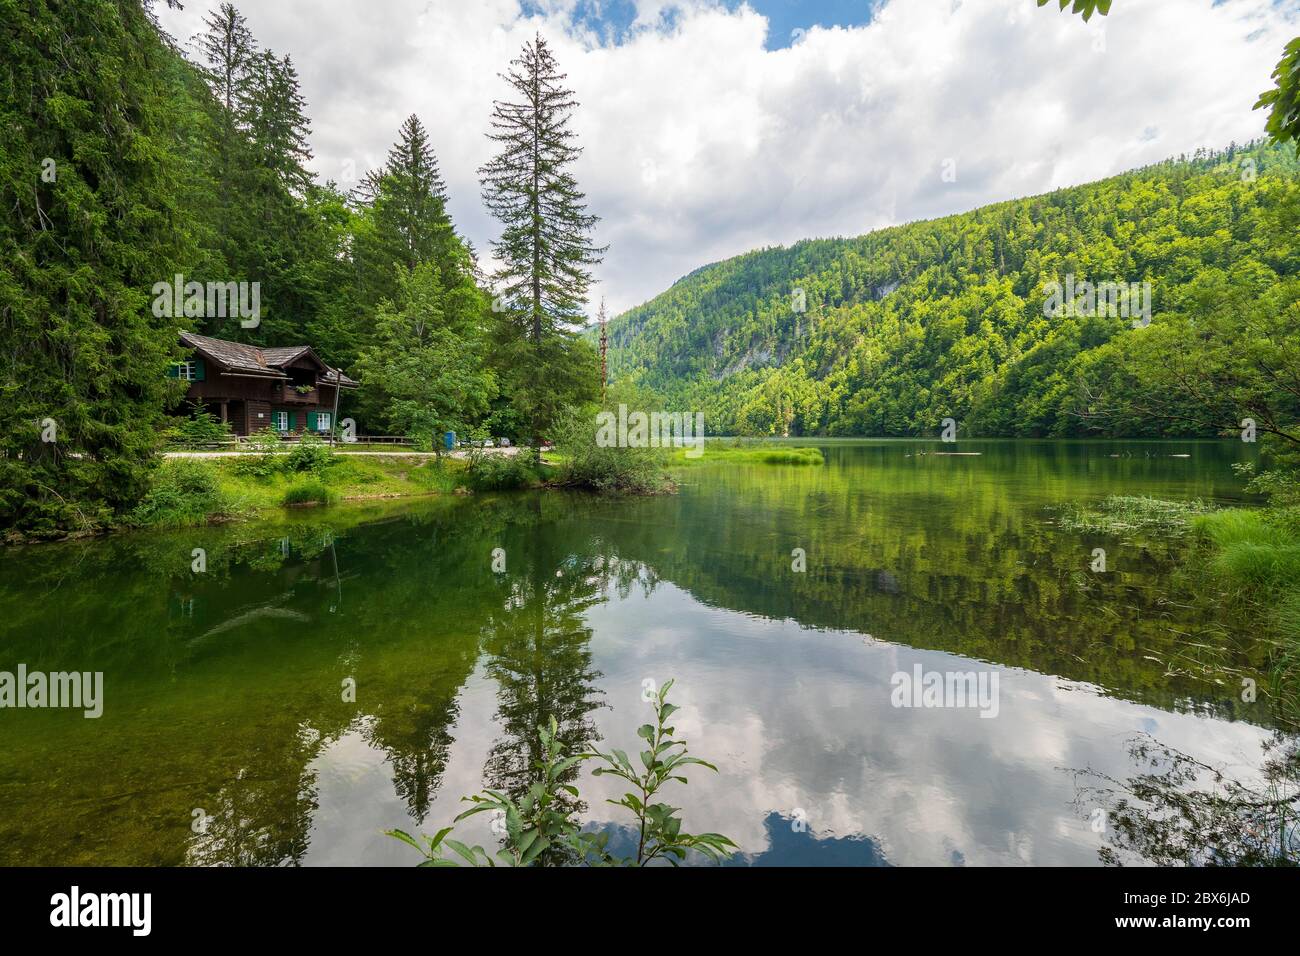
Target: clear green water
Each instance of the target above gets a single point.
(223, 690)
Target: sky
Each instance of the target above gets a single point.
(713, 127)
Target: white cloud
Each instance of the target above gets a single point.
(701, 144)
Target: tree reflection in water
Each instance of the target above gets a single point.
(1179, 811)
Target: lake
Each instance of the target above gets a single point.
(231, 733)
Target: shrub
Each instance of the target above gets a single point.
(262, 459)
(542, 829)
(185, 493)
(608, 470)
(201, 428)
(489, 472)
(309, 491)
(310, 454)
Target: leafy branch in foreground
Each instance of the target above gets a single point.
(660, 833)
(540, 820)
(544, 821)
(1086, 7)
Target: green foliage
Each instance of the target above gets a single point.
(912, 324)
(92, 192)
(263, 456)
(429, 354)
(1121, 514)
(542, 828)
(185, 493)
(309, 491)
(545, 249)
(585, 464)
(199, 429)
(309, 454)
(1234, 526)
(1259, 565)
(493, 472)
(752, 454)
(663, 761)
(1283, 101)
(1086, 7)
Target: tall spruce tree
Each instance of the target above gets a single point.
(403, 227)
(267, 226)
(228, 48)
(406, 221)
(89, 183)
(545, 249)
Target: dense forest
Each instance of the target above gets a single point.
(891, 332)
(128, 157)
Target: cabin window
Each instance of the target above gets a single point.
(280, 421)
(323, 421)
(191, 371)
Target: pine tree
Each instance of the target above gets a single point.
(545, 249)
(406, 217)
(228, 48)
(266, 224)
(274, 113)
(89, 180)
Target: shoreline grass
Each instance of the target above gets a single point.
(750, 454)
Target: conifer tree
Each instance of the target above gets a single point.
(406, 221)
(89, 184)
(406, 242)
(228, 48)
(545, 250)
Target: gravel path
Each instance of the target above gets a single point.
(342, 450)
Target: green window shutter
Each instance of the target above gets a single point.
(198, 370)
(293, 421)
(311, 421)
(173, 371)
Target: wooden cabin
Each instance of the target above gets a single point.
(286, 388)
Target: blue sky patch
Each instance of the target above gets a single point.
(611, 20)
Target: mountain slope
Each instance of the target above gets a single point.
(909, 325)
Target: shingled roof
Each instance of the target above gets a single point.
(251, 360)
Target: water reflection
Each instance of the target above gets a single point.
(228, 735)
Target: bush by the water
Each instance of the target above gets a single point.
(489, 472)
(309, 491)
(262, 457)
(184, 493)
(608, 470)
(309, 454)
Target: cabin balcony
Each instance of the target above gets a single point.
(292, 396)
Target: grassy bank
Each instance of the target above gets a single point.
(192, 491)
(1257, 554)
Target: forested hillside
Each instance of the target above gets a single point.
(891, 332)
